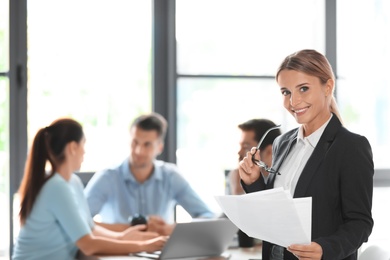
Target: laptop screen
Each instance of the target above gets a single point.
(200, 238)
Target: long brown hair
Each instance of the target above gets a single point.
(48, 146)
(314, 64)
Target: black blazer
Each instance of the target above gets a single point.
(339, 178)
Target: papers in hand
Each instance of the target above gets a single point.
(270, 215)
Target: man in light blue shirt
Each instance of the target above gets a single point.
(141, 184)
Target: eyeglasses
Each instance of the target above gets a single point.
(261, 163)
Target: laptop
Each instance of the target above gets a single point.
(197, 239)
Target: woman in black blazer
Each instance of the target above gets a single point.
(320, 159)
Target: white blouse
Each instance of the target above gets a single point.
(293, 165)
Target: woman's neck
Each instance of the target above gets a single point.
(65, 171)
(311, 127)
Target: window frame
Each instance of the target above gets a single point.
(164, 83)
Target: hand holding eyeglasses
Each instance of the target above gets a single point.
(249, 167)
(248, 170)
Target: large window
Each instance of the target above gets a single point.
(4, 167)
(364, 90)
(4, 131)
(226, 62)
(94, 67)
(247, 37)
(363, 66)
(90, 60)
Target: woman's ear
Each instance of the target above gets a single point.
(329, 86)
(71, 148)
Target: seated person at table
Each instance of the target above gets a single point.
(54, 216)
(142, 185)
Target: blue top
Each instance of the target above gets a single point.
(60, 216)
(115, 194)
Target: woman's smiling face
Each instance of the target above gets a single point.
(306, 98)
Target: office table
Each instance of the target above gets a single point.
(235, 254)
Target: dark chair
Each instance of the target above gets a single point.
(85, 176)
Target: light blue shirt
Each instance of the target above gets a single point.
(115, 194)
(59, 218)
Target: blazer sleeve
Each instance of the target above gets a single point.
(258, 185)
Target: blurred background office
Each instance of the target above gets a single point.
(205, 65)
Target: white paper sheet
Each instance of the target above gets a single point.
(270, 215)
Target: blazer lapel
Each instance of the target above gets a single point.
(317, 157)
(284, 147)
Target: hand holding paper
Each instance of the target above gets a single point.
(271, 215)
